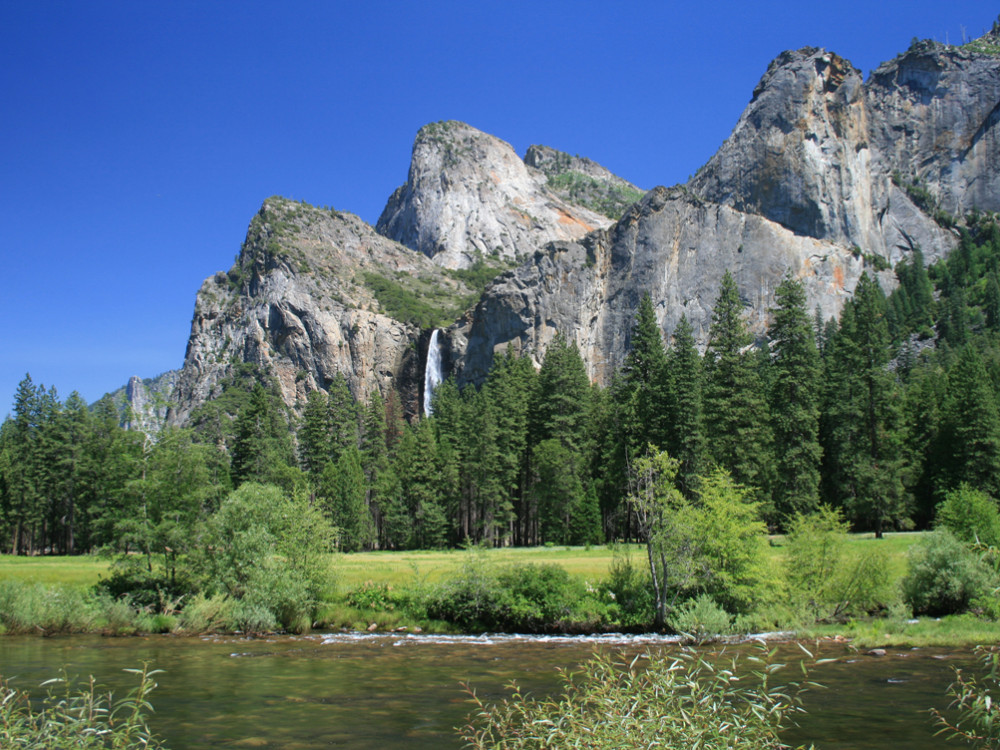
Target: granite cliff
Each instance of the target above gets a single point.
(824, 176)
(315, 292)
(469, 196)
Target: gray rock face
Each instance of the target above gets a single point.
(804, 186)
(809, 153)
(823, 174)
(468, 195)
(934, 114)
(143, 403)
(303, 302)
(673, 245)
(583, 182)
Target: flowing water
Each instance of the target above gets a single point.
(382, 691)
(432, 371)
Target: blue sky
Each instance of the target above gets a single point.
(137, 139)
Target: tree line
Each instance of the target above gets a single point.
(879, 414)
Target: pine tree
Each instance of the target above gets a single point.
(685, 406)
(863, 426)
(315, 447)
(509, 389)
(560, 412)
(736, 429)
(645, 371)
(343, 495)
(972, 425)
(345, 417)
(794, 403)
(263, 446)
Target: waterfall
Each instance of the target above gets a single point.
(432, 371)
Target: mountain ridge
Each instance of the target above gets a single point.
(823, 177)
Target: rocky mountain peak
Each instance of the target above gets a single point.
(469, 196)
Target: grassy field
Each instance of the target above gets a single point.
(589, 563)
(81, 571)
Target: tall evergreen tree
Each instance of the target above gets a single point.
(560, 412)
(972, 426)
(795, 402)
(345, 417)
(863, 422)
(736, 426)
(687, 443)
(263, 446)
(343, 496)
(315, 446)
(645, 371)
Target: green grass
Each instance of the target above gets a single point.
(79, 572)
(398, 568)
(953, 630)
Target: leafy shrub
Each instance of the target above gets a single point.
(371, 595)
(27, 607)
(519, 598)
(944, 576)
(470, 599)
(701, 619)
(978, 719)
(267, 552)
(631, 590)
(824, 582)
(152, 590)
(207, 614)
(536, 597)
(78, 719)
(683, 701)
(971, 515)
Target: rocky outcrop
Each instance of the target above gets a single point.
(822, 174)
(823, 177)
(469, 196)
(143, 403)
(934, 114)
(802, 155)
(583, 182)
(315, 292)
(673, 245)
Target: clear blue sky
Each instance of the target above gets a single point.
(137, 139)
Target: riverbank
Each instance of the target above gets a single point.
(573, 590)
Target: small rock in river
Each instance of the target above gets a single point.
(876, 652)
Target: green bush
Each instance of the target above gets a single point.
(34, 607)
(978, 716)
(824, 582)
(207, 614)
(971, 515)
(680, 701)
(79, 719)
(700, 619)
(469, 599)
(155, 590)
(536, 597)
(268, 553)
(371, 595)
(944, 576)
(519, 598)
(630, 588)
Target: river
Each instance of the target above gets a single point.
(379, 691)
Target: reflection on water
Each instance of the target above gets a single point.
(376, 691)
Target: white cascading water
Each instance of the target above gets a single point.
(432, 372)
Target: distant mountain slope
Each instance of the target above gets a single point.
(469, 196)
(823, 177)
